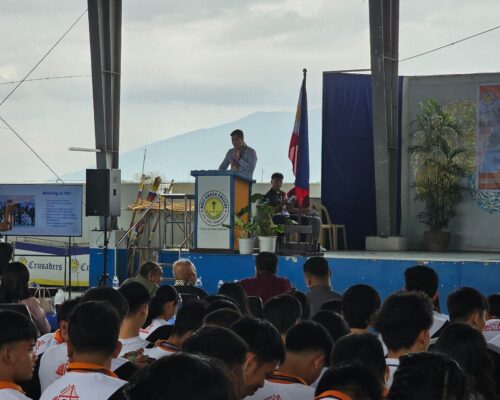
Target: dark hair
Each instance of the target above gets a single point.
(136, 294)
(304, 303)
(463, 302)
(360, 304)
(307, 336)
(262, 338)
(364, 348)
(112, 296)
(6, 251)
(277, 175)
(427, 375)
(333, 322)
(66, 307)
(148, 267)
(218, 342)
(93, 327)
(468, 347)
(16, 327)
(266, 262)
(402, 317)
(181, 376)
(15, 280)
(164, 294)
(189, 317)
(221, 304)
(494, 305)
(236, 292)
(224, 317)
(213, 297)
(353, 379)
(423, 279)
(334, 305)
(317, 266)
(237, 132)
(283, 312)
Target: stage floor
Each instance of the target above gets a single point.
(419, 256)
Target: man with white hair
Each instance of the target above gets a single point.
(185, 278)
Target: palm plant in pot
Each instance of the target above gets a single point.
(440, 164)
(267, 230)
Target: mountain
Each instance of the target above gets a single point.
(267, 132)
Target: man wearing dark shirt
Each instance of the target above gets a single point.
(266, 284)
(275, 197)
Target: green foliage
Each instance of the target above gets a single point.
(440, 161)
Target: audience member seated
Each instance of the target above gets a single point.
(468, 348)
(308, 345)
(6, 253)
(491, 330)
(404, 322)
(265, 350)
(189, 319)
(221, 304)
(266, 284)
(225, 345)
(17, 355)
(360, 305)
(223, 318)
(425, 279)
(317, 275)
(236, 292)
(15, 289)
(283, 312)
(348, 382)
(304, 303)
(150, 275)
(275, 197)
(138, 307)
(182, 376)
(428, 376)
(334, 305)
(93, 329)
(162, 308)
(185, 278)
(333, 322)
(468, 306)
(365, 349)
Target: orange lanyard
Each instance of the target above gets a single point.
(89, 367)
(58, 337)
(333, 393)
(278, 377)
(10, 385)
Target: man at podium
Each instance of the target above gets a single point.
(241, 157)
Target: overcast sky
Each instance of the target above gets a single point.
(194, 64)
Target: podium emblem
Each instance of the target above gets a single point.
(214, 207)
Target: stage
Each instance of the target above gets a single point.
(383, 270)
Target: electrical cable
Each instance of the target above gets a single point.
(47, 78)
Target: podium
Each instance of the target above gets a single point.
(218, 196)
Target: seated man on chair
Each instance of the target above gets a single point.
(303, 213)
(277, 198)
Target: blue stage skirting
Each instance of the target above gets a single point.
(386, 275)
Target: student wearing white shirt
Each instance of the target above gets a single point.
(162, 308)
(138, 305)
(93, 330)
(425, 279)
(17, 356)
(404, 321)
(307, 345)
(188, 320)
(351, 381)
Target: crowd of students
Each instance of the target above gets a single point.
(140, 342)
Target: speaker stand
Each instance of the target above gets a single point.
(103, 279)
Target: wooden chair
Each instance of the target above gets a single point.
(298, 240)
(330, 229)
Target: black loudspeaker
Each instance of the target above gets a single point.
(103, 192)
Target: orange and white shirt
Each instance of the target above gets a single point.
(84, 381)
(11, 391)
(52, 365)
(133, 344)
(491, 333)
(332, 395)
(162, 348)
(47, 341)
(279, 386)
(148, 330)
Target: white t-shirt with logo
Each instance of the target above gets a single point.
(53, 365)
(132, 344)
(155, 324)
(283, 391)
(45, 342)
(83, 386)
(491, 333)
(12, 394)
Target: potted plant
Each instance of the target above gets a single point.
(267, 230)
(440, 164)
(245, 230)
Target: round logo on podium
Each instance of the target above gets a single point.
(214, 207)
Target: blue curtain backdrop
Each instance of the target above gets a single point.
(347, 170)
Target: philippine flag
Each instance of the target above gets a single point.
(298, 152)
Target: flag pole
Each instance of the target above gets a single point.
(305, 72)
